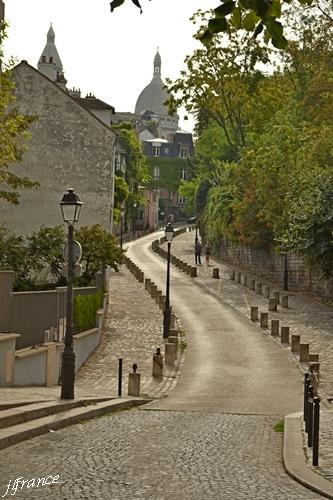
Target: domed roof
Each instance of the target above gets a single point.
(154, 95)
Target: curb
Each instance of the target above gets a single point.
(294, 458)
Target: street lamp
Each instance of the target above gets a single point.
(70, 207)
(134, 217)
(122, 226)
(167, 311)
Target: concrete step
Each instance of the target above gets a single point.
(19, 414)
(16, 433)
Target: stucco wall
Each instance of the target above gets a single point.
(70, 148)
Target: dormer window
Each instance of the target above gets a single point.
(43, 59)
(156, 150)
(51, 59)
(184, 152)
(157, 69)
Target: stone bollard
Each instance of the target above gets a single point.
(252, 285)
(153, 291)
(134, 382)
(232, 275)
(315, 368)
(284, 301)
(244, 280)
(189, 269)
(170, 353)
(258, 287)
(304, 353)
(216, 273)
(254, 313)
(147, 284)
(158, 363)
(174, 332)
(172, 321)
(194, 272)
(295, 343)
(267, 292)
(173, 340)
(238, 277)
(272, 305)
(276, 295)
(157, 296)
(141, 277)
(264, 320)
(275, 327)
(284, 334)
(313, 358)
(184, 267)
(161, 302)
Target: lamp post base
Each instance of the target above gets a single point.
(67, 375)
(166, 323)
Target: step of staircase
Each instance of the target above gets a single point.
(70, 413)
(24, 413)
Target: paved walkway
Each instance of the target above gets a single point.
(306, 317)
(132, 331)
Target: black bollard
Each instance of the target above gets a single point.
(120, 376)
(315, 439)
(310, 415)
(306, 385)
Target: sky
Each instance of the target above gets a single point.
(109, 55)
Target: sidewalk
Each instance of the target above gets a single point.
(132, 331)
(306, 317)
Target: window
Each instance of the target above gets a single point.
(51, 59)
(183, 174)
(140, 215)
(156, 150)
(166, 150)
(43, 59)
(184, 152)
(156, 174)
(181, 200)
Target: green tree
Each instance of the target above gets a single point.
(98, 248)
(46, 247)
(14, 134)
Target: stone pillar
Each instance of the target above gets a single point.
(158, 364)
(170, 353)
(267, 292)
(244, 280)
(276, 295)
(295, 343)
(216, 273)
(193, 272)
(258, 288)
(161, 303)
(284, 301)
(232, 275)
(134, 382)
(147, 283)
(304, 353)
(272, 305)
(238, 277)
(173, 340)
(153, 291)
(275, 327)
(254, 313)
(284, 334)
(141, 276)
(6, 299)
(252, 284)
(158, 295)
(264, 320)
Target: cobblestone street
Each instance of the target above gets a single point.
(157, 455)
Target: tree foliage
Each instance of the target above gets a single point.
(258, 17)
(264, 151)
(14, 134)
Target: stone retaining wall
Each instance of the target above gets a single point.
(271, 266)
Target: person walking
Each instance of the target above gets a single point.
(207, 252)
(197, 252)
